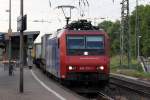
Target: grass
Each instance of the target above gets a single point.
(135, 69)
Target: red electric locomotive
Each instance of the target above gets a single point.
(79, 52)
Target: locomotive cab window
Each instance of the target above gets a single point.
(92, 45)
(75, 42)
(94, 42)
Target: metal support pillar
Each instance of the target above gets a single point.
(9, 34)
(21, 89)
(125, 53)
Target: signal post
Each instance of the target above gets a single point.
(21, 26)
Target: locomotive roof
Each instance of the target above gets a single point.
(78, 26)
(81, 25)
(59, 33)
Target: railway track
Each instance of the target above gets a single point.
(132, 84)
(93, 93)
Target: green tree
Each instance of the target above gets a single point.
(144, 22)
(106, 25)
(113, 30)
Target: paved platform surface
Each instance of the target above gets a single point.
(33, 90)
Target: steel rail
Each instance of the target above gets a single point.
(104, 96)
(131, 83)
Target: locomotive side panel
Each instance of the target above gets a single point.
(52, 61)
(62, 47)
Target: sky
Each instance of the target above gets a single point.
(53, 18)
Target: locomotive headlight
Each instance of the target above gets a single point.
(70, 68)
(100, 68)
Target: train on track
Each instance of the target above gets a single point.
(78, 53)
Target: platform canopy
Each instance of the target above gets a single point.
(36, 33)
(29, 38)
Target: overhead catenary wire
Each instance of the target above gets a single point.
(82, 6)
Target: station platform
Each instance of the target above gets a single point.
(33, 90)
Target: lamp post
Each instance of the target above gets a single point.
(21, 88)
(139, 46)
(9, 34)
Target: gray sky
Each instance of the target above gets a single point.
(39, 9)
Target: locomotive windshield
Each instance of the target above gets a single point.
(76, 42)
(94, 42)
(77, 45)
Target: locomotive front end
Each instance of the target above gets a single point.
(86, 56)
